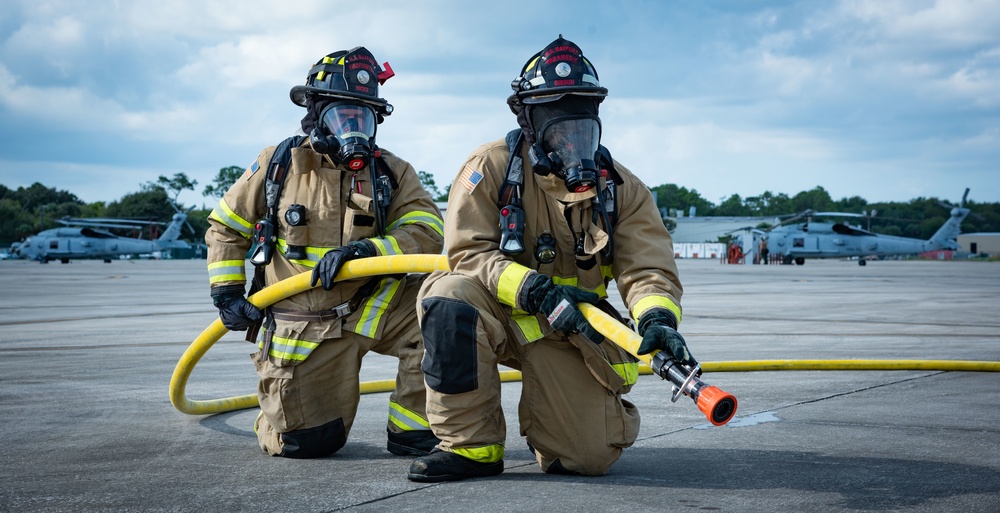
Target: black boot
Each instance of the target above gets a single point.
(448, 466)
(411, 443)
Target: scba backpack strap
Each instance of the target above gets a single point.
(511, 209)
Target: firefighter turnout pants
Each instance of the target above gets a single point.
(571, 408)
(307, 410)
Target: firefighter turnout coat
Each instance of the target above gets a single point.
(571, 408)
(358, 315)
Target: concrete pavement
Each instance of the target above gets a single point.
(88, 350)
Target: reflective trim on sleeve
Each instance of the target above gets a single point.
(421, 217)
(226, 270)
(387, 246)
(405, 419)
(290, 348)
(485, 454)
(509, 283)
(652, 302)
(376, 306)
(226, 216)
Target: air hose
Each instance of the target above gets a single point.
(602, 322)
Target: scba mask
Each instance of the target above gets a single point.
(346, 132)
(567, 147)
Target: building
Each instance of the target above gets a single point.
(986, 244)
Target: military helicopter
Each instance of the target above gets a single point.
(89, 238)
(797, 242)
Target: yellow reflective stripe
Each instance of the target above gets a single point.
(313, 253)
(387, 246)
(601, 290)
(652, 302)
(418, 216)
(290, 348)
(529, 325)
(226, 270)
(225, 215)
(606, 273)
(509, 282)
(485, 454)
(629, 371)
(406, 419)
(376, 306)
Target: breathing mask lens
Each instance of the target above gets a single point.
(354, 127)
(573, 141)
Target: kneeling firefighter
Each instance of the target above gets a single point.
(538, 222)
(315, 201)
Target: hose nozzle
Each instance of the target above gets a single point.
(717, 405)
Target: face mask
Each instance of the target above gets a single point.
(566, 147)
(351, 134)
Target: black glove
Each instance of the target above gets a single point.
(327, 268)
(236, 313)
(657, 328)
(558, 303)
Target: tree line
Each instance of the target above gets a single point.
(28, 210)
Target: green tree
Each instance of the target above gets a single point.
(427, 180)
(180, 182)
(225, 179)
(151, 204)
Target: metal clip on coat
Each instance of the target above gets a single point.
(717, 405)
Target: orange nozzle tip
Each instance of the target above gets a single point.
(717, 405)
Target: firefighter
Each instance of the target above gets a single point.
(538, 222)
(337, 196)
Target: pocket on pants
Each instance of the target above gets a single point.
(623, 421)
(278, 395)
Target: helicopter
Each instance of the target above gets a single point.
(795, 243)
(88, 238)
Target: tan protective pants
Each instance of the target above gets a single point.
(571, 408)
(324, 388)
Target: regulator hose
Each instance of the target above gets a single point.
(602, 322)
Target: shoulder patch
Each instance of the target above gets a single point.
(470, 178)
(251, 170)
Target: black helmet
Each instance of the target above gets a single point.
(346, 75)
(554, 72)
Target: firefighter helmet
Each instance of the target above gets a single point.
(346, 75)
(554, 72)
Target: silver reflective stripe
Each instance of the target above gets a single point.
(375, 306)
(223, 216)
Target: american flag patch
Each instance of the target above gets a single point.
(251, 170)
(470, 178)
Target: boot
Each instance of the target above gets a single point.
(447, 466)
(411, 443)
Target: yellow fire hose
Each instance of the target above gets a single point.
(602, 322)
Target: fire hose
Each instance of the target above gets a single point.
(718, 406)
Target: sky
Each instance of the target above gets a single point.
(888, 100)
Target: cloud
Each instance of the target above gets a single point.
(734, 96)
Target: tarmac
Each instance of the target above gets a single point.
(88, 350)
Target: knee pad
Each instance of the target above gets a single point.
(314, 442)
(448, 327)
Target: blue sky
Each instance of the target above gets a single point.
(888, 100)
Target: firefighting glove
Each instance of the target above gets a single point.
(658, 330)
(236, 313)
(558, 303)
(328, 267)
